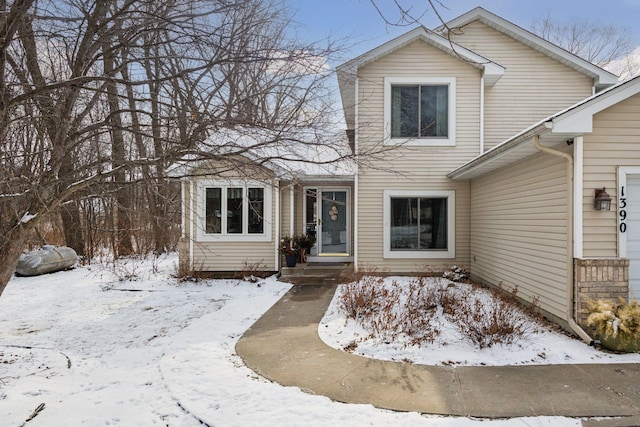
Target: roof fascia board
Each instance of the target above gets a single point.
(601, 76)
(580, 118)
(492, 70)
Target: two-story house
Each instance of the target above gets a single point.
(500, 147)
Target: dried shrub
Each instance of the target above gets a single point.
(456, 274)
(416, 310)
(490, 319)
(361, 296)
(185, 273)
(388, 311)
(252, 272)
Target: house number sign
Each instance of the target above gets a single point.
(623, 211)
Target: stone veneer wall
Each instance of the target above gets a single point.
(602, 278)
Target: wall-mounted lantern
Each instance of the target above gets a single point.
(602, 200)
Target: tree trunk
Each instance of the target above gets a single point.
(70, 216)
(11, 246)
(124, 246)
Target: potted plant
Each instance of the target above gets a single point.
(617, 324)
(304, 243)
(290, 251)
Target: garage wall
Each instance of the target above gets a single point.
(519, 230)
(615, 141)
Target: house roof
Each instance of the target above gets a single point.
(562, 126)
(299, 156)
(602, 78)
(347, 72)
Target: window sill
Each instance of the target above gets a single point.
(421, 142)
(222, 238)
(448, 254)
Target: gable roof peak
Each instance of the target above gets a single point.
(602, 78)
(347, 72)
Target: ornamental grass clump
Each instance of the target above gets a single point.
(619, 320)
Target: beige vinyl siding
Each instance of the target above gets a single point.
(533, 86)
(419, 168)
(519, 230)
(615, 141)
(233, 256)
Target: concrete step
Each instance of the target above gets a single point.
(316, 273)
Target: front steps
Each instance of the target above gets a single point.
(316, 273)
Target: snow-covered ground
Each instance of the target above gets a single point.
(151, 351)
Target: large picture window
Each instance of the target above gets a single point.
(420, 111)
(419, 224)
(235, 211)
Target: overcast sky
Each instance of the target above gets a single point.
(359, 21)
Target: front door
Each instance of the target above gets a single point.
(328, 217)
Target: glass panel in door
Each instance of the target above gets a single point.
(333, 225)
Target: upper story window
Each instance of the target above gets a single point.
(234, 211)
(420, 111)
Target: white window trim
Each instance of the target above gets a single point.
(450, 252)
(203, 236)
(423, 141)
(623, 171)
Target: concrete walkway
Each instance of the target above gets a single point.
(284, 347)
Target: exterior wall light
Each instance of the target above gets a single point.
(602, 200)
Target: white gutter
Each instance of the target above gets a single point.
(570, 312)
(356, 182)
(482, 114)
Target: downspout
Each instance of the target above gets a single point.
(482, 114)
(570, 317)
(356, 181)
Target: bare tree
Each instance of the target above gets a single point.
(594, 41)
(96, 95)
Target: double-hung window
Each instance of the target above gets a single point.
(419, 224)
(420, 111)
(235, 211)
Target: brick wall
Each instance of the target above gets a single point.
(605, 278)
